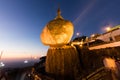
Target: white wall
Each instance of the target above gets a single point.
(105, 37)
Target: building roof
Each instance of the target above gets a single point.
(116, 27)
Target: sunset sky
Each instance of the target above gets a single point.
(21, 21)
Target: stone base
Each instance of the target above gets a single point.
(62, 63)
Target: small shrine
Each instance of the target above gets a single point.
(62, 60)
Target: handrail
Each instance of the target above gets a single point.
(94, 73)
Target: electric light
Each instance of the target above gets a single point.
(26, 61)
(81, 45)
(81, 42)
(108, 29)
(77, 33)
(93, 35)
(2, 64)
(35, 57)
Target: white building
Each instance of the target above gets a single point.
(112, 35)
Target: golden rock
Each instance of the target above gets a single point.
(57, 32)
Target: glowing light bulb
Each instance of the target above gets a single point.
(26, 61)
(108, 29)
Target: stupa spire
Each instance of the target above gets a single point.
(58, 11)
(59, 14)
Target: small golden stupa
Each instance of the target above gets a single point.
(62, 60)
(57, 32)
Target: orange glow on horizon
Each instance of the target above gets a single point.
(11, 55)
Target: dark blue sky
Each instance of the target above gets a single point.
(21, 21)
